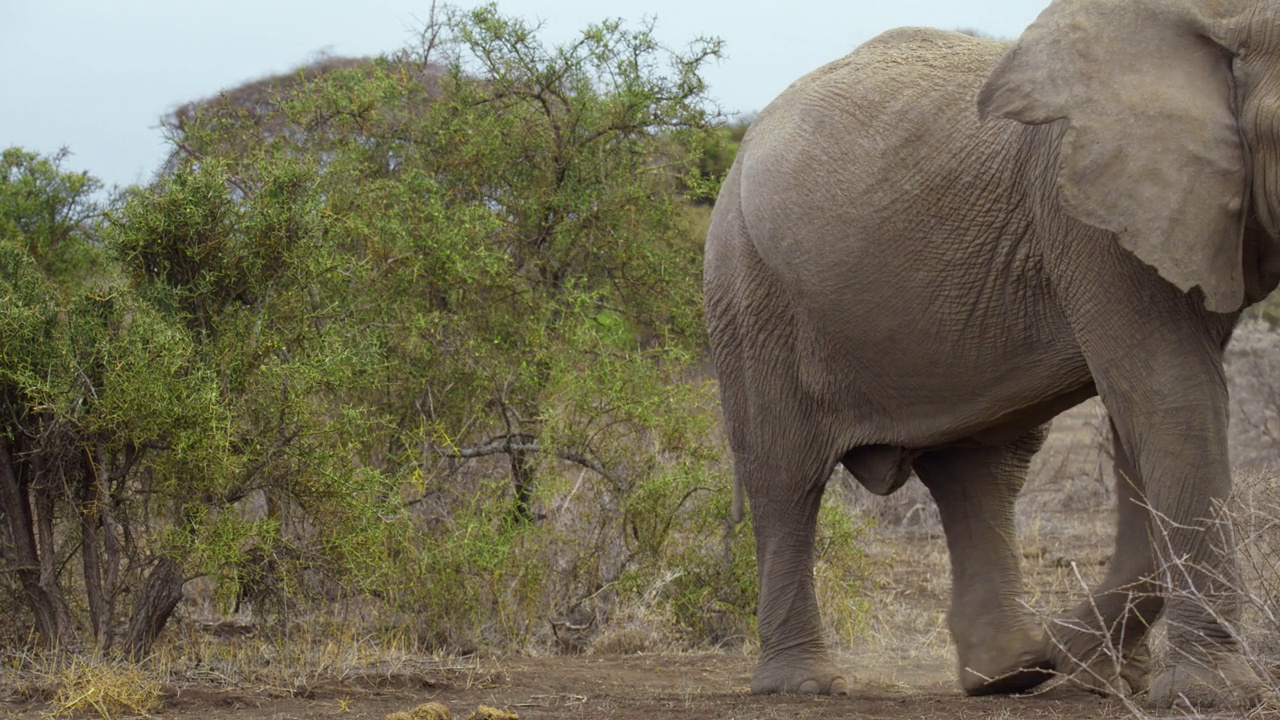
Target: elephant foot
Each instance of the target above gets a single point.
(1026, 675)
(1003, 664)
(1025, 671)
(1226, 682)
(805, 676)
(1108, 671)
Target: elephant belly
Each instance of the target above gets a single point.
(896, 402)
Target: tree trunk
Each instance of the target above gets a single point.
(160, 595)
(100, 549)
(522, 477)
(23, 556)
(46, 496)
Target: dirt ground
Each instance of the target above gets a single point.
(623, 688)
(636, 687)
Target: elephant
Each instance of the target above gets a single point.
(927, 249)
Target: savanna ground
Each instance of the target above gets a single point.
(902, 665)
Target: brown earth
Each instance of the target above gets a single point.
(635, 687)
(625, 688)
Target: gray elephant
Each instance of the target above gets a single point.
(927, 249)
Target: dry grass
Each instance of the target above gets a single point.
(1255, 517)
(323, 653)
(108, 689)
(317, 659)
(907, 633)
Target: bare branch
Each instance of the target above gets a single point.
(521, 442)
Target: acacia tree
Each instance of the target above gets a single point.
(92, 384)
(243, 259)
(525, 208)
(51, 213)
(145, 408)
(577, 151)
(513, 237)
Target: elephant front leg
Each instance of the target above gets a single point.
(793, 656)
(1173, 421)
(1101, 644)
(999, 648)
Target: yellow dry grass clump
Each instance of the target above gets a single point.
(484, 712)
(430, 711)
(437, 711)
(105, 688)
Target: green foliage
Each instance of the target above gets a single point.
(706, 570)
(841, 566)
(711, 581)
(105, 412)
(475, 579)
(389, 269)
(50, 213)
(94, 367)
(28, 321)
(243, 262)
(719, 156)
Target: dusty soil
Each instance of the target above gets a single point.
(663, 686)
(626, 688)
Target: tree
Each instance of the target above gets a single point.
(240, 262)
(92, 382)
(511, 236)
(522, 204)
(51, 213)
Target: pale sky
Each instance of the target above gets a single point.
(97, 75)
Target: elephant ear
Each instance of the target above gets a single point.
(1152, 150)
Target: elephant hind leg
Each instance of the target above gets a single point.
(999, 647)
(783, 458)
(783, 452)
(785, 484)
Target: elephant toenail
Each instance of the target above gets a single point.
(809, 687)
